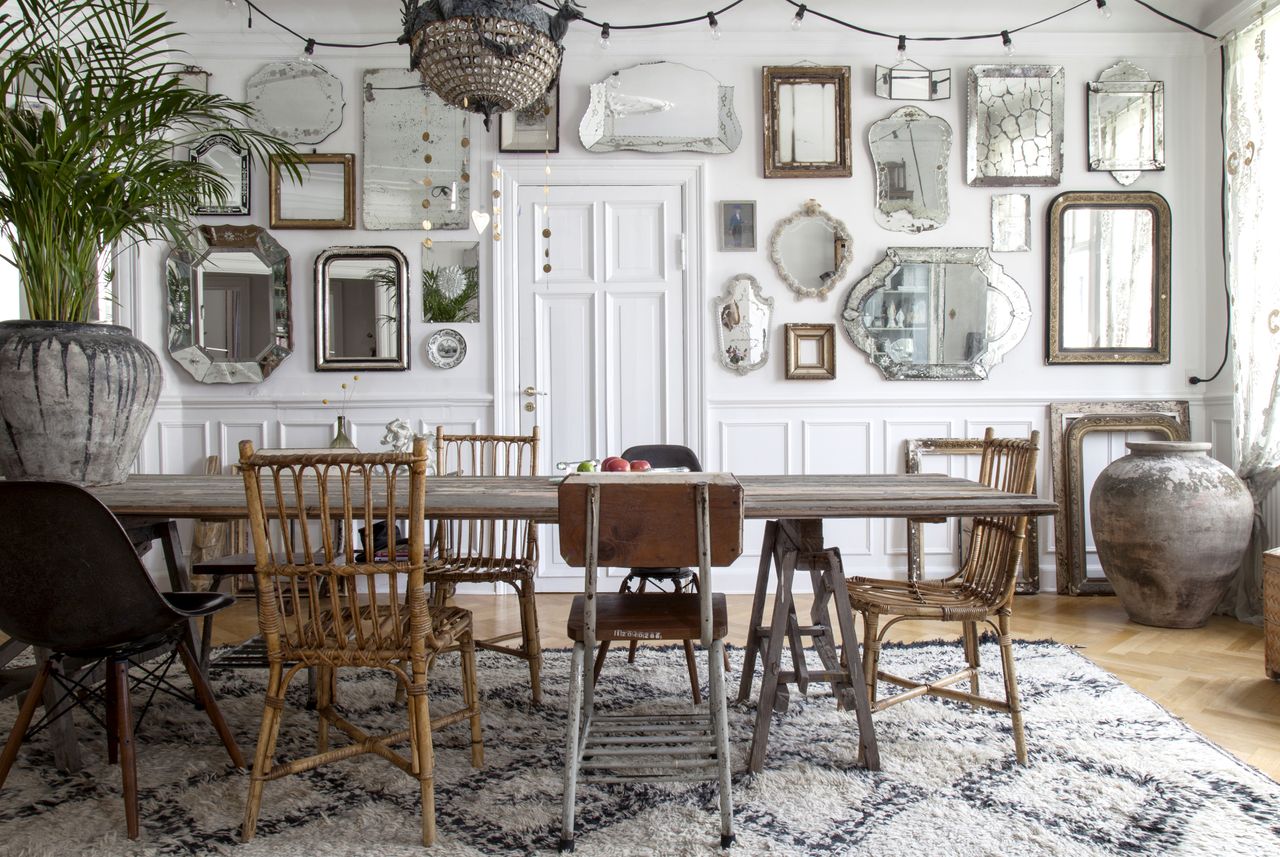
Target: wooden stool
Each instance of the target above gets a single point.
(1271, 610)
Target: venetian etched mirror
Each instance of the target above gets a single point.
(229, 311)
(743, 318)
(1126, 122)
(661, 107)
(1010, 223)
(1109, 278)
(362, 299)
(936, 313)
(811, 251)
(910, 150)
(451, 282)
(222, 154)
(1015, 125)
(806, 121)
(299, 102)
(416, 155)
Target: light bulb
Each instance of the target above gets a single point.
(1102, 7)
(715, 26)
(902, 48)
(1007, 42)
(799, 18)
(307, 51)
(604, 37)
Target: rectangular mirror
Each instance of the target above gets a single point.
(1126, 122)
(1108, 278)
(362, 295)
(451, 282)
(323, 199)
(806, 121)
(660, 107)
(1015, 125)
(1010, 223)
(225, 157)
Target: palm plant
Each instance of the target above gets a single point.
(451, 293)
(91, 117)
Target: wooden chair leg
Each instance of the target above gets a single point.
(871, 652)
(631, 649)
(720, 727)
(1011, 686)
(118, 675)
(23, 722)
(206, 628)
(532, 642)
(109, 692)
(471, 694)
(272, 707)
(599, 665)
(209, 703)
(692, 663)
(971, 655)
(420, 724)
(571, 758)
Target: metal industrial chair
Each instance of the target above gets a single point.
(491, 551)
(73, 584)
(652, 521)
(678, 579)
(981, 589)
(349, 611)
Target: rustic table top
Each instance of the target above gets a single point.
(535, 497)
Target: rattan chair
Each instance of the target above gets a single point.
(491, 551)
(981, 591)
(348, 612)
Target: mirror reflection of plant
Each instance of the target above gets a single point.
(444, 301)
(92, 113)
(387, 282)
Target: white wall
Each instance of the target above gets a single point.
(758, 423)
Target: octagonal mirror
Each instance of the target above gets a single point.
(936, 313)
(811, 251)
(230, 318)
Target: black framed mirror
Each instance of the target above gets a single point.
(1108, 278)
(230, 160)
(362, 302)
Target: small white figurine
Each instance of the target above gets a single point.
(400, 438)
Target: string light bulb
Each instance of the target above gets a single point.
(1102, 7)
(1007, 42)
(799, 18)
(604, 36)
(715, 25)
(307, 51)
(902, 48)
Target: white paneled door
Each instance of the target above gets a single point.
(602, 334)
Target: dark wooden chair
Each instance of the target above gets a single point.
(74, 585)
(648, 521)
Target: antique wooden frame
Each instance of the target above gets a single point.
(825, 337)
(1029, 579)
(1160, 300)
(348, 219)
(1071, 579)
(774, 76)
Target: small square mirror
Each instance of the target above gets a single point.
(323, 199)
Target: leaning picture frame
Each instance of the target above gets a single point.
(736, 226)
(535, 128)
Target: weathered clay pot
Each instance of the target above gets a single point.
(1171, 525)
(75, 400)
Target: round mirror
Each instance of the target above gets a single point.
(811, 251)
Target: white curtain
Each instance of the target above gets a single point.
(1252, 103)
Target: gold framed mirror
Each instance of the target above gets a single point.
(324, 198)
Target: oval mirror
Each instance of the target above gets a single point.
(362, 298)
(229, 312)
(910, 150)
(299, 102)
(936, 313)
(811, 251)
(743, 318)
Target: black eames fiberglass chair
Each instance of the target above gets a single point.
(662, 455)
(74, 585)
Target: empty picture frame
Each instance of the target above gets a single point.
(806, 121)
(535, 128)
(737, 225)
(811, 352)
(323, 199)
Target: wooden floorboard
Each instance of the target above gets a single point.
(1210, 677)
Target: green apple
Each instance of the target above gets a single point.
(587, 466)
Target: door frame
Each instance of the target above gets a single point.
(508, 177)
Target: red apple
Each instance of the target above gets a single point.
(607, 460)
(614, 464)
(640, 466)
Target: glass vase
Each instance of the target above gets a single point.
(341, 440)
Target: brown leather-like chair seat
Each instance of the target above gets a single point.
(649, 616)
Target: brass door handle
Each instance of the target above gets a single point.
(531, 392)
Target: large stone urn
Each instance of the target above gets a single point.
(1171, 525)
(75, 400)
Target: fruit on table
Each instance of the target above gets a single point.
(587, 466)
(640, 466)
(615, 464)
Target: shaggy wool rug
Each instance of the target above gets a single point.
(1110, 772)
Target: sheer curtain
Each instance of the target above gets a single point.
(1252, 102)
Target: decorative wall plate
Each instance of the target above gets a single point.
(446, 348)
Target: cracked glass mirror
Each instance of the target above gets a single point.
(744, 315)
(910, 150)
(1015, 125)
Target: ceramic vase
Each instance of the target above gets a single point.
(1171, 525)
(341, 440)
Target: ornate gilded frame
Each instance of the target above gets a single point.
(348, 219)
(825, 337)
(774, 76)
(811, 208)
(1161, 224)
(1028, 580)
(1102, 416)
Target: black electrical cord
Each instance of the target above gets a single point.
(656, 24)
(974, 37)
(1169, 17)
(1226, 275)
(254, 7)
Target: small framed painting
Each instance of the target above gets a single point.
(535, 128)
(811, 352)
(737, 228)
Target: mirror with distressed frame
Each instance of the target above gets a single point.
(230, 317)
(806, 121)
(811, 251)
(323, 198)
(1108, 278)
(743, 316)
(936, 313)
(1015, 125)
(1126, 122)
(362, 299)
(910, 150)
(416, 163)
(451, 282)
(231, 161)
(661, 107)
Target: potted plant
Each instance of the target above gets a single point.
(92, 122)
